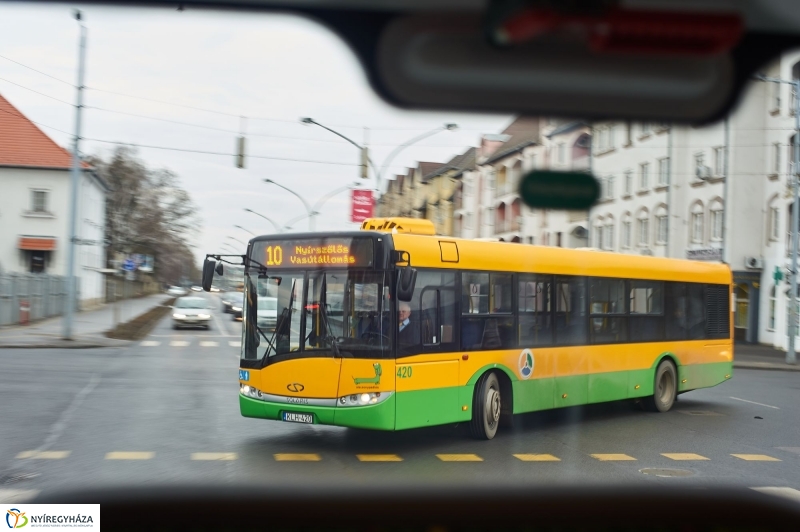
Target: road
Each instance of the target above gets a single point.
(165, 411)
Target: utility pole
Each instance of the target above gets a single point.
(74, 185)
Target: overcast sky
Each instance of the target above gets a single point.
(272, 69)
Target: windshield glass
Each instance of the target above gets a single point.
(323, 312)
(191, 302)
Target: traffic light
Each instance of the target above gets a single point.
(240, 152)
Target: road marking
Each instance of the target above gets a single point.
(379, 458)
(699, 413)
(150, 343)
(788, 493)
(178, 343)
(214, 456)
(294, 457)
(756, 457)
(613, 457)
(18, 495)
(235, 343)
(537, 458)
(795, 450)
(754, 403)
(684, 456)
(126, 455)
(44, 455)
(459, 458)
(222, 329)
(208, 344)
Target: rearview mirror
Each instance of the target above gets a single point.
(406, 279)
(219, 269)
(208, 274)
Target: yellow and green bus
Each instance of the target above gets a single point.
(393, 327)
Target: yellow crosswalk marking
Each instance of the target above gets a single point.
(613, 457)
(684, 456)
(756, 457)
(379, 458)
(295, 457)
(537, 458)
(44, 455)
(128, 455)
(214, 456)
(459, 458)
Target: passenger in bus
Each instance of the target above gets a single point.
(408, 329)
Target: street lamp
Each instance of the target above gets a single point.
(791, 354)
(245, 230)
(270, 220)
(305, 203)
(237, 240)
(401, 147)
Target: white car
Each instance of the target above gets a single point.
(191, 312)
(267, 313)
(176, 291)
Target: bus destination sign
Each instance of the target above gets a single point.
(315, 253)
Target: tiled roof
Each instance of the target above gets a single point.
(523, 131)
(426, 168)
(24, 144)
(460, 163)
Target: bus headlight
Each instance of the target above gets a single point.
(249, 391)
(364, 399)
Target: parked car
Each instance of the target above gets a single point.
(227, 298)
(196, 288)
(237, 304)
(177, 291)
(267, 313)
(191, 312)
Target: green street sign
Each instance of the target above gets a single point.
(777, 275)
(545, 189)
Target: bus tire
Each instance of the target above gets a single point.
(486, 407)
(665, 388)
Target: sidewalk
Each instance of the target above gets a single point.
(87, 329)
(755, 356)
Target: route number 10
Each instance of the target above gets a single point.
(274, 256)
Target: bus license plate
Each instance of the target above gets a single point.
(295, 417)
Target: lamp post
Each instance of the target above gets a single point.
(791, 354)
(245, 230)
(320, 202)
(237, 240)
(398, 149)
(270, 220)
(74, 185)
(305, 203)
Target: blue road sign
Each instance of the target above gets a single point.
(128, 265)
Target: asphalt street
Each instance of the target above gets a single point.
(164, 411)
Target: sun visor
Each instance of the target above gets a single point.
(447, 62)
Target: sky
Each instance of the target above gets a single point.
(272, 69)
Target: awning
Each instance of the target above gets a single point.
(37, 243)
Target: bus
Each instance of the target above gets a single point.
(393, 327)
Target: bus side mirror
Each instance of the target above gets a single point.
(406, 280)
(219, 268)
(208, 274)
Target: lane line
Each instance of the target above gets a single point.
(220, 328)
(206, 343)
(18, 495)
(235, 343)
(787, 493)
(178, 343)
(459, 458)
(129, 455)
(756, 457)
(215, 456)
(613, 457)
(297, 457)
(44, 455)
(795, 450)
(150, 343)
(754, 403)
(379, 458)
(537, 458)
(684, 456)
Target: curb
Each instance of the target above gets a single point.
(66, 344)
(766, 366)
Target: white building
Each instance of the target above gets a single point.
(34, 207)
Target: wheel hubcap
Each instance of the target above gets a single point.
(664, 387)
(492, 406)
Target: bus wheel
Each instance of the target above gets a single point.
(486, 407)
(665, 388)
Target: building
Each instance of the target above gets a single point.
(34, 207)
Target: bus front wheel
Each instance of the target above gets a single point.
(486, 407)
(665, 388)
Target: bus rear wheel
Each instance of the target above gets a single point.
(665, 388)
(486, 407)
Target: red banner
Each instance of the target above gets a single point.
(361, 205)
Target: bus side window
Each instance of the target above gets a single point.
(571, 320)
(676, 324)
(432, 321)
(695, 311)
(535, 310)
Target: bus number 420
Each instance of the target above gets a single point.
(404, 372)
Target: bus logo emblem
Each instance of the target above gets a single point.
(526, 364)
(295, 387)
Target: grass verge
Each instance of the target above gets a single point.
(141, 325)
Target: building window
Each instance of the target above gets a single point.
(533, 165)
(776, 158)
(610, 187)
(468, 224)
(661, 228)
(558, 239)
(775, 88)
(644, 228)
(608, 238)
(774, 228)
(611, 137)
(772, 301)
(598, 234)
(717, 217)
(663, 171)
(628, 182)
(647, 128)
(531, 240)
(628, 133)
(626, 234)
(39, 200)
(719, 162)
(700, 166)
(644, 176)
(697, 223)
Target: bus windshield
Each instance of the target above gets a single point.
(331, 313)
